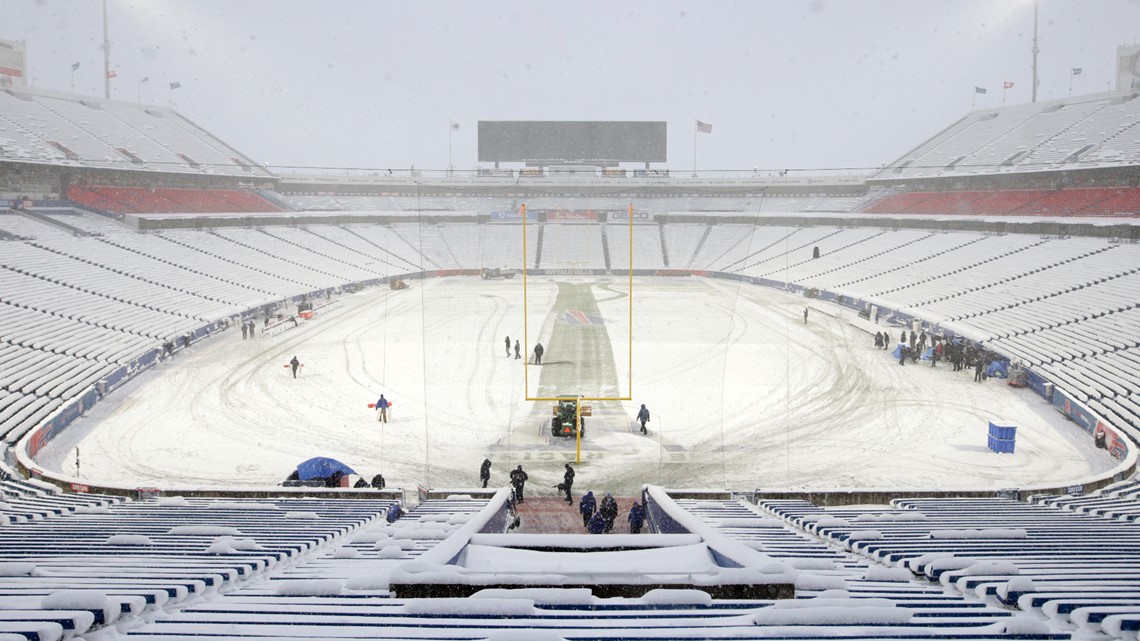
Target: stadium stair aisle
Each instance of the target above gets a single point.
(553, 515)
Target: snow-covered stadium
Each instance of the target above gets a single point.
(801, 476)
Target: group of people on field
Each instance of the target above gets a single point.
(963, 354)
(538, 350)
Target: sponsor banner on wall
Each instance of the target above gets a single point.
(565, 216)
(638, 216)
(513, 216)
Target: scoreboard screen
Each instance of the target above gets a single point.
(571, 141)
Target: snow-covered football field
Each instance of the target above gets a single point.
(743, 395)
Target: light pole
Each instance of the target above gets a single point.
(1035, 52)
(452, 127)
(106, 55)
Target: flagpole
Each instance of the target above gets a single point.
(694, 148)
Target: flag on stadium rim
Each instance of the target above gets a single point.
(175, 85)
(979, 89)
(1007, 85)
(112, 74)
(704, 127)
(1077, 71)
(75, 66)
(454, 126)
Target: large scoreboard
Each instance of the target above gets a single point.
(571, 141)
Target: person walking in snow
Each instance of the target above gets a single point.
(295, 364)
(878, 339)
(485, 471)
(568, 482)
(805, 315)
(507, 340)
(636, 518)
(596, 524)
(643, 416)
(244, 331)
(382, 405)
(538, 354)
(587, 506)
(608, 510)
(518, 353)
(518, 481)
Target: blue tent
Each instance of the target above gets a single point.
(998, 369)
(321, 467)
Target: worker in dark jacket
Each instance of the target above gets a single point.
(596, 524)
(636, 518)
(609, 510)
(587, 506)
(643, 416)
(485, 471)
(295, 364)
(518, 481)
(568, 483)
(538, 354)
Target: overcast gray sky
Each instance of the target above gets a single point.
(799, 84)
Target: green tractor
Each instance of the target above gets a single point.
(565, 412)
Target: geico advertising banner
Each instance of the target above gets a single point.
(638, 216)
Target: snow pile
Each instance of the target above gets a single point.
(988, 533)
(172, 501)
(755, 545)
(371, 537)
(877, 573)
(4, 519)
(807, 581)
(832, 611)
(129, 539)
(1016, 585)
(310, 587)
(458, 519)
(205, 530)
(992, 569)
(434, 518)
(403, 544)
(17, 569)
(391, 552)
(543, 596)
(831, 521)
(864, 535)
(82, 600)
(458, 497)
(302, 515)
(346, 553)
(371, 581)
(231, 545)
(708, 505)
(663, 596)
(917, 563)
(949, 563)
(240, 505)
(471, 607)
(422, 534)
(93, 509)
